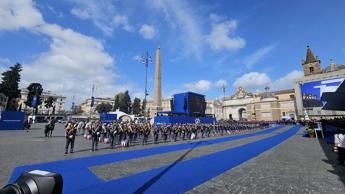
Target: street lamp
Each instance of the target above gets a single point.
(223, 87)
(146, 60)
(92, 99)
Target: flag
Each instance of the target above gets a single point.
(34, 101)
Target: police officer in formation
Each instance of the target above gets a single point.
(70, 131)
(116, 132)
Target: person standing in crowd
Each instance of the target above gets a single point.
(70, 137)
(155, 132)
(113, 130)
(340, 140)
(80, 127)
(87, 128)
(95, 133)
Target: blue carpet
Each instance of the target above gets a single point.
(183, 176)
(76, 174)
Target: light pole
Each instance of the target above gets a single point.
(223, 87)
(146, 60)
(92, 99)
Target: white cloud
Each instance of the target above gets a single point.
(59, 14)
(252, 81)
(18, 14)
(221, 83)
(137, 58)
(215, 17)
(288, 81)
(80, 13)
(140, 95)
(201, 85)
(148, 31)
(255, 57)
(182, 18)
(219, 38)
(4, 62)
(122, 21)
(72, 64)
(256, 81)
(102, 14)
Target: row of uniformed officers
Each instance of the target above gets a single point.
(126, 133)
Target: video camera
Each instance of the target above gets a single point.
(35, 182)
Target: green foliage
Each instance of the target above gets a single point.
(49, 102)
(123, 102)
(103, 108)
(35, 89)
(117, 102)
(143, 107)
(136, 109)
(127, 103)
(9, 85)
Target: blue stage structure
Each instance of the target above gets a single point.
(12, 120)
(189, 103)
(107, 118)
(187, 107)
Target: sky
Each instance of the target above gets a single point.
(70, 45)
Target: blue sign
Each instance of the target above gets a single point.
(108, 118)
(34, 101)
(183, 120)
(312, 91)
(12, 120)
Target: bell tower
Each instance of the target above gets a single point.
(311, 65)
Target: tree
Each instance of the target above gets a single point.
(103, 108)
(136, 109)
(117, 102)
(49, 102)
(123, 102)
(9, 86)
(35, 91)
(126, 103)
(143, 107)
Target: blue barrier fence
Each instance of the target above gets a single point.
(108, 118)
(183, 119)
(12, 120)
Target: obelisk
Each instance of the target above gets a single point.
(157, 101)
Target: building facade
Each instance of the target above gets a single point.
(315, 81)
(151, 107)
(85, 106)
(59, 103)
(268, 106)
(235, 106)
(214, 107)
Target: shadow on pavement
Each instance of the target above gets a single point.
(332, 160)
(149, 183)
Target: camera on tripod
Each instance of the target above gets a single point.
(35, 182)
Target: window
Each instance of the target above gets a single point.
(283, 114)
(311, 69)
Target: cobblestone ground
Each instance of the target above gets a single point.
(21, 148)
(298, 165)
(129, 167)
